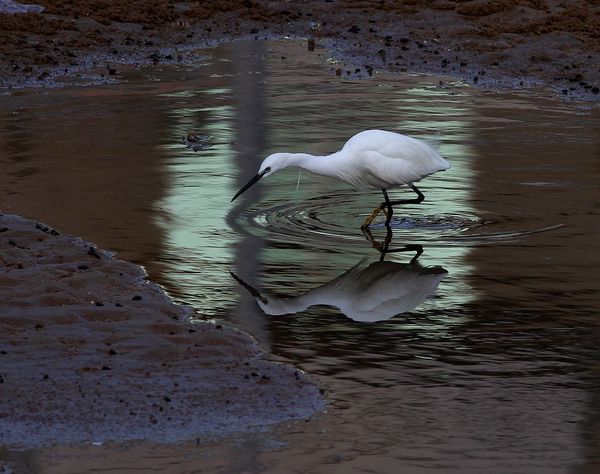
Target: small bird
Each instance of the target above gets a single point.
(373, 158)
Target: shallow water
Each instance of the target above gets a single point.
(488, 360)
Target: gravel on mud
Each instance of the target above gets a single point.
(494, 44)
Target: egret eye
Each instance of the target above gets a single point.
(268, 169)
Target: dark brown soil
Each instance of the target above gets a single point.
(494, 44)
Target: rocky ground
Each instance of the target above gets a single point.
(493, 43)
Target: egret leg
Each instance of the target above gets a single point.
(420, 197)
(384, 247)
(373, 215)
(390, 209)
(387, 206)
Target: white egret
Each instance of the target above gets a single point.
(373, 158)
(366, 293)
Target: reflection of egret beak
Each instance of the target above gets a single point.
(250, 289)
(248, 184)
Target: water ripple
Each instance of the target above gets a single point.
(320, 221)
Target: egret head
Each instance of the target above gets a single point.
(271, 164)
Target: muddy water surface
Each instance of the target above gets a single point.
(482, 354)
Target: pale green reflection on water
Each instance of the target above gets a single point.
(199, 187)
(307, 111)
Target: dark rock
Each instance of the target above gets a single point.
(93, 253)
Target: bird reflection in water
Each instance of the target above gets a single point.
(367, 292)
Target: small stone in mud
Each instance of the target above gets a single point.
(111, 71)
(98, 303)
(3, 229)
(369, 70)
(83, 267)
(112, 352)
(136, 298)
(93, 253)
(475, 80)
(106, 367)
(45, 377)
(354, 29)
(118, 305)
(311, 44)
(595, 90)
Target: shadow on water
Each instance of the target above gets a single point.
(481, 353)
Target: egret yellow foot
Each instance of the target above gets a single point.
(369, 220)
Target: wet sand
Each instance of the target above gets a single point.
(91, 351)
(504, 44)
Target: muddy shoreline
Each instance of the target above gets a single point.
(505, 44)
(90, 351)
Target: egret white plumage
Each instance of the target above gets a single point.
(373, 158)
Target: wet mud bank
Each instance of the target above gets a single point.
(90, 351)
(505, 44)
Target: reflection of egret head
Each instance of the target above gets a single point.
(274, 306)
(367, 293)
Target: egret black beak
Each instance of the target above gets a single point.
(250, 289)
(248, 184)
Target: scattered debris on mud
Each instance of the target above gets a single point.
(499, 44)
